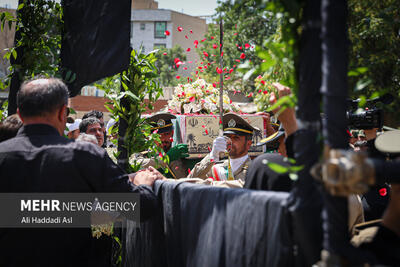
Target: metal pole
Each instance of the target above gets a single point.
(221, 77)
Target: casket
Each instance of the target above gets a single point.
(199, 132)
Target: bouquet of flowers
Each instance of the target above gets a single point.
(199, 97)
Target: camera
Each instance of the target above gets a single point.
(371, 117)
(367, 119)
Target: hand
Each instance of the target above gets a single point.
(287, 117)
(219, 145)
(146, 177)
(177, 152)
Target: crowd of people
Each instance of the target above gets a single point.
(41, 152)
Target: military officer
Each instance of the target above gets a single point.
(162, 124)
(237, 139)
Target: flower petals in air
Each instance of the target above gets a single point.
(188, 50)
(247, 46)
(180, 29)
(167, 33)
(178, 77)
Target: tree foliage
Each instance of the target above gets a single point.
(166, 64)
(245, 27)
(374, 28)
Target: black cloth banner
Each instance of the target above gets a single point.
(95, 41)
(207, 226)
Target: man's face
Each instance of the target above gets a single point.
(166, 140)
(240, 146)
(96, 130)
(102, 124)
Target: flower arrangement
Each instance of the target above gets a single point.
(264, 89)
(199, 97)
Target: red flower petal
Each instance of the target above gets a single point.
(237, 60)
(205, 53)
(262, 82)
(189, 170)
(164, 53)
(247, 46)
(191, 31)
(212, 37)
(219, 71)
(231, 70)
(206, 131)
(250, 95)
(265, 92)
(214, 85)
(178, 77)
(383, 191)
(242, 56)
(222, 54)
(214, 46)
(186, 37)
(191, 99)
(180, 29)
(167, 33)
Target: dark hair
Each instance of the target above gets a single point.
(86, 122)
(9, 127)
(36, 99)
(93, 113)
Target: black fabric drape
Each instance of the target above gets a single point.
(95, 41)
(305, 201)
(208, 226)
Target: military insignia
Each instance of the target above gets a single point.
(161, 123)
(231, 123)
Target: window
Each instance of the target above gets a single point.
(159, 29)
(156, 46)
(142, 26)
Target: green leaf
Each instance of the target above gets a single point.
(277, 168)
(20, 6)
(362, 84)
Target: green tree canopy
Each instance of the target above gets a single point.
(374, 32)
(166, 64)
(245, 27)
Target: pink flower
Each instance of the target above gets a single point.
(231, 70)
(247, 46)
(219, 71)
(188, 50)
(214, 46)
(191, 99)
(262, 82)
(205, 53)
(212, 37)
(180, 29)
(191, 31)
(250, 95)
(186, 37)
(242, 56)
(167, 33)
(164, 53)
(214, 85)
(178, 77)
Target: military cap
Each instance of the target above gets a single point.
(234, 124)
(273, 137)
(388, 142)
(161, 122)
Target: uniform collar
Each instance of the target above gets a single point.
(37, 129)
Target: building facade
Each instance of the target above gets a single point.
(148, 28)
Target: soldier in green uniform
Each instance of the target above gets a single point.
(162, 123)
(237, 140)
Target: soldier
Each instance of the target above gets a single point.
(163, 125)
(237, 140)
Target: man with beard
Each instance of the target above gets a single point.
(162, 124)
(237, 140)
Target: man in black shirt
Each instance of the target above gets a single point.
(40, 159)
